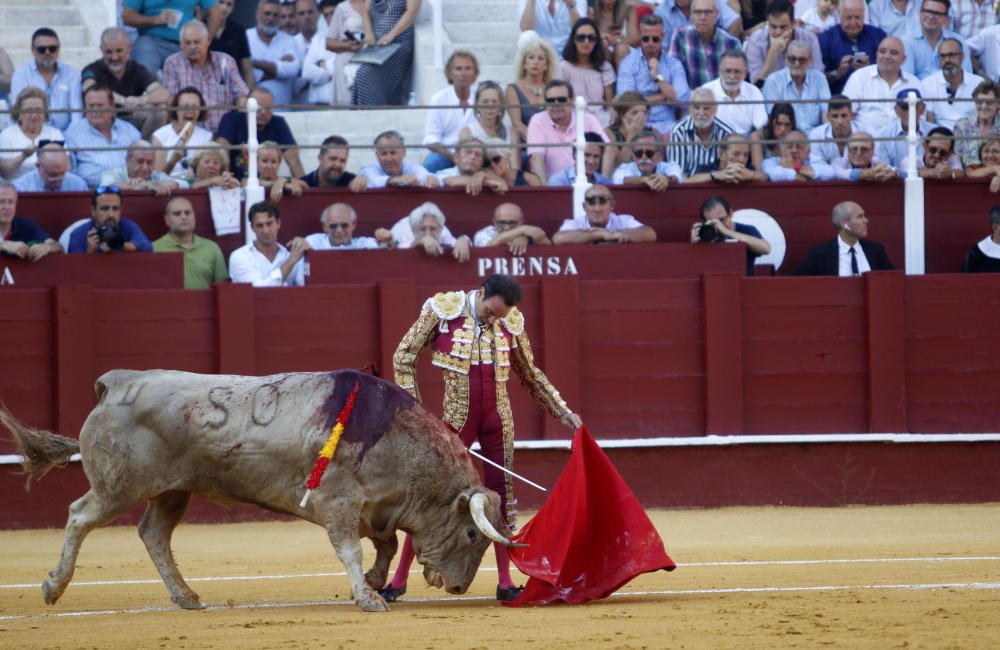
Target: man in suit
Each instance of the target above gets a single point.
(850, 252)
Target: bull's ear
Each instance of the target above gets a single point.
(461, 502)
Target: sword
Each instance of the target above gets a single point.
(504, 469)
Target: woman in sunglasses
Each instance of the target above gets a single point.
(498, 154)
(31, 110)
(584, 65)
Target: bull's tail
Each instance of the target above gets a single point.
(40, 450)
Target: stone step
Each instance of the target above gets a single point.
(484, 33)
(502, 74)
(37, 14)
(20, 37)
(481, 10)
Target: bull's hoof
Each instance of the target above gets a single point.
(189, 601)
(49, 593)
(369, 601)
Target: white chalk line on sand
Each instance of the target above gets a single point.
(337, 574)
(982, 586)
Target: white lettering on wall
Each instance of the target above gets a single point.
(7, 277)
(527, 266)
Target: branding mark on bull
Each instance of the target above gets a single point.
(219, 397)
(265, 404)
(131, 393)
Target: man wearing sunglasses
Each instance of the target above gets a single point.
(766, 47)
(951, 82)
(939, 160)
(601, 225)
(652, 72)
(509, 229)
(923, 45)
(107, 231)
(60, 81)
(551, 134)
(339, 221)
(648, 167)
(799, 83)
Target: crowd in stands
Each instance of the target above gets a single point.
(683, 91)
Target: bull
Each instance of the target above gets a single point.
(160, 436)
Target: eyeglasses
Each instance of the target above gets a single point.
(107, 189)
(938, 151)
(644, 153)
(47, 49)
(495, 159)
(562, 99)
(936, 14)
(506, 223)
(598, 199)
(651, 39)
(796, 60)
(338, 226)
(583, 38)
(45, 141)
(949, 55)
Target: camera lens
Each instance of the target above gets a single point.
(708, 232)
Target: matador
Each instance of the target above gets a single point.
(476, 338)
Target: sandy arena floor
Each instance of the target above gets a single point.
(892, 577)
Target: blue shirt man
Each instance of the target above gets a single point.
(60, 81)
(923, 42)
(107, 231)
(798, 81)
(652, 72)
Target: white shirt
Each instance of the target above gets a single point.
(986, 45)
(867, 84)
(616, 222)
(946, 114)
(403, 234)
(378, 178)
(281, 44)
(249, 265)
(827, 152)
(14, 138)
(744, 118)
(443, 125)
(845, 258)
(630, 169)
(484, 236)
(167, 137)
(314, 84)
(320, 241)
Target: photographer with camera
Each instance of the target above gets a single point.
(107, 231)
(717, 225)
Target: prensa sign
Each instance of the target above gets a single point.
(527, 266)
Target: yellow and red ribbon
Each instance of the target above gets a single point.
(330, 447)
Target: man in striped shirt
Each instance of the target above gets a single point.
(700, 46)
(694, 140)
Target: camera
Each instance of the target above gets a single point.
(109, 234)
(708, 232)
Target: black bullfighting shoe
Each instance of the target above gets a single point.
(391, 594)
(507, 594)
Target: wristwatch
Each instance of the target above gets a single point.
(659, 77)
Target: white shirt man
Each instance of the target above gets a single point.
(274, 54)
(730, 88)
(986, 47)
(881, 80)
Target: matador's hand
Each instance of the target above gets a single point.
(572, 420)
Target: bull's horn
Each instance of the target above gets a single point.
(477, 505)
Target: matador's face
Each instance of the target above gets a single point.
(491, 309)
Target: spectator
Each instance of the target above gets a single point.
(585, 67)
(694, 140)
(822, 17)
(629, 113)
(613, 19)
(887, 16)
(601, 225)
(135, 88)
(883, 80)
(139, 172)
(468, 171)
(21, 236)
(103, 135)
(792, 163)
(938, 159)
(203, 260)
(509, 228)
(314, 83)
(328, 7)
(332, 170)
(424, 228)
(211, 169)
(232, 40)
(849, 253)
(391, 168)
(922, 45)
(213, 73)
(498, 161)
(799, 81)
(985, 47)
(972, 129)
(765, 48)
(536, 65)
(107, 231)
(6, 74)
(273, 53)
(288, 20)
(648, 167)
(984, 257)
(443, 125)
(860, 163)
(950, 81)
(734, 154)
(21, 138)
(551, 20)
(840, 126)
(592, 155)
(268, 162)
(489, 114)
(972, 17)
(676, 14)
(849, 46)
(556, 126)
(989, 167)
(158, 22)
(59, 80)
(764, 142)
(264, 262)
(891, 148)
(717, 225)
(339, 221)
(700, 46)
(52, 173)
(653, 72)
(232, 131)
(345, 37)
(731, 90)
(388, 21)
(172, 140)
